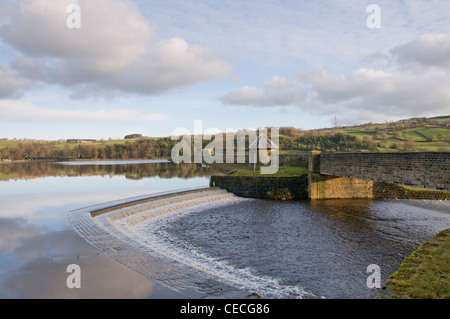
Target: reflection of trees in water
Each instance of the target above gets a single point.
(36, 169)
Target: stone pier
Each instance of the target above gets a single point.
(329, 187)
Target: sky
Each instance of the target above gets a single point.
(107, 68)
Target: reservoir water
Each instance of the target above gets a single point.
(229, 248)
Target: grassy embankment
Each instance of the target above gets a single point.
(425, 274)
(235, 169)
(284, 171)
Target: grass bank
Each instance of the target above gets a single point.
(425, 274)
(413, 188)
(236, 169)
(283, 171)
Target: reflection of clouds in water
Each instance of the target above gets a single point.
(25, 198)
(43, 273)
(16, 206)
(13, 233)
(37, 244)
(100, 279)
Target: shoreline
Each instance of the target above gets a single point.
(82, 160)
(113, 162)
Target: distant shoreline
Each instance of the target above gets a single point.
(107, 162)
(163, 160)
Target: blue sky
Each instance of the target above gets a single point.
(150, 67)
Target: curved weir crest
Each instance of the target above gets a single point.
(133, 233)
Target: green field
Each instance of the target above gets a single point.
(408, 135)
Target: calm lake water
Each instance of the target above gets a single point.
(317, 249)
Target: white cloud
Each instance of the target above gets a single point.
(278, 91)
(368, 91)
(12, 84)
(13, 231)
(114, 51)
(361, 82)
(171, 63)
(428, 50)
(366, 94)
(112, 33)
(25, 110)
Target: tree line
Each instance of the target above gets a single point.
(338, 142)
(143, 148)
(161, 148)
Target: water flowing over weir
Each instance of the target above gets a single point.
(208, 243)
(132, 232)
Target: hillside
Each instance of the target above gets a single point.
(417, 134)
(409, 135)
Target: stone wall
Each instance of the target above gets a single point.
(348, 175)
(322, 187)
(262, 187)
(333, 187)
(421, 169)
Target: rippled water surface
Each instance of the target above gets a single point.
(324, 247)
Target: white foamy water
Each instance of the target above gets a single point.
(142, 226)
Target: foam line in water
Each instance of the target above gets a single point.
(150, 214)
(157, 203)
(153, 237)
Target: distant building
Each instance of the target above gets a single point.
(131, 136)
(80, 141)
